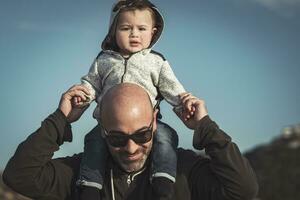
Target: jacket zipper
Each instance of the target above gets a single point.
(125, 70)
(128, 180)
(131, 177)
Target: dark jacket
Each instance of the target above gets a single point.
(225, 175)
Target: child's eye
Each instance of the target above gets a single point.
(124, 29)
(142, 29)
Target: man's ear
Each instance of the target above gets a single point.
(155, 119)
(155, 114)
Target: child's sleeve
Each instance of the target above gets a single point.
(169, 86)
(93, 81)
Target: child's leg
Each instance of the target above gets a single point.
(164, 152)
(92, 166)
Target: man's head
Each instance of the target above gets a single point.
(126, 110)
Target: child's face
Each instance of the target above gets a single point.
(134, 31)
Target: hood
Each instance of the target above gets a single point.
(109, 40)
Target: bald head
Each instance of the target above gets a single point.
(127, 102)
(126, 108)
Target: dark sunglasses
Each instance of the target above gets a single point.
(120, 139)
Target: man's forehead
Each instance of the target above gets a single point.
(126, 104)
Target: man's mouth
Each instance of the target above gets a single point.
(133, 157)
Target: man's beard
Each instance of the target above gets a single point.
(132, 166)
(135, 165)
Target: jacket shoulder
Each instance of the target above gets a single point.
(158, 54)
(100, 54)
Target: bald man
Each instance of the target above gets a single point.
(128, 125)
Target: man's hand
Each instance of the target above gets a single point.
(73, 113)
(193, 110)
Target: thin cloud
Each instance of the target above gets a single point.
(48, 27)
(28, 26)
(38, 27)
(287, 8)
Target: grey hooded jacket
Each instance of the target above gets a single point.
(146, 68)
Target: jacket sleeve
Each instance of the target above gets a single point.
(32, 171)
(168, 85)
(227, 175)
(93, 80)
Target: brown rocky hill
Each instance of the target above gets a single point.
(7, 194)
(277, 166)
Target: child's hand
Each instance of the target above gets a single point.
(79, 101)
(188, 109)
(191, 110)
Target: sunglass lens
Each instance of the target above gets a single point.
(142, 137)
(117, 141)
(121, 141)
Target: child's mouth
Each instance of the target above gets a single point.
(134, 44)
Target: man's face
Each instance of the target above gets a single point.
(132, 156)
(134, 31)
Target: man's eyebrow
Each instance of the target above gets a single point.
(140, 129)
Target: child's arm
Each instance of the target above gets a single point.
(169, 86)
(171, 89)
(92, 82)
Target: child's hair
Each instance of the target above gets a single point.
(130, 5)
(139, 5)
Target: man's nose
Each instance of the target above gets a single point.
(131, 147)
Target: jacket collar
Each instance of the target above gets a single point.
(142, 52)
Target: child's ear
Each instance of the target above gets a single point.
(154, 30)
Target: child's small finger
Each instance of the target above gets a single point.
(193, 108)
(186, 97)
(81, 96)
(182, 95)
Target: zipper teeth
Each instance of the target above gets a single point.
(130, 178)
(122, 79)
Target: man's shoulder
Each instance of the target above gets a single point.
(70, 161)
(188, 159)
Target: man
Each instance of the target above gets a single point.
(127, 110)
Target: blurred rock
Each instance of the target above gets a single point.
(7, 194)
(277, 166)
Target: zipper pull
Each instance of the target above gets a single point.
(128, 180)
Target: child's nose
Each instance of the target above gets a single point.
(134, 32)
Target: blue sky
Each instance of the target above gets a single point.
(241, 57)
